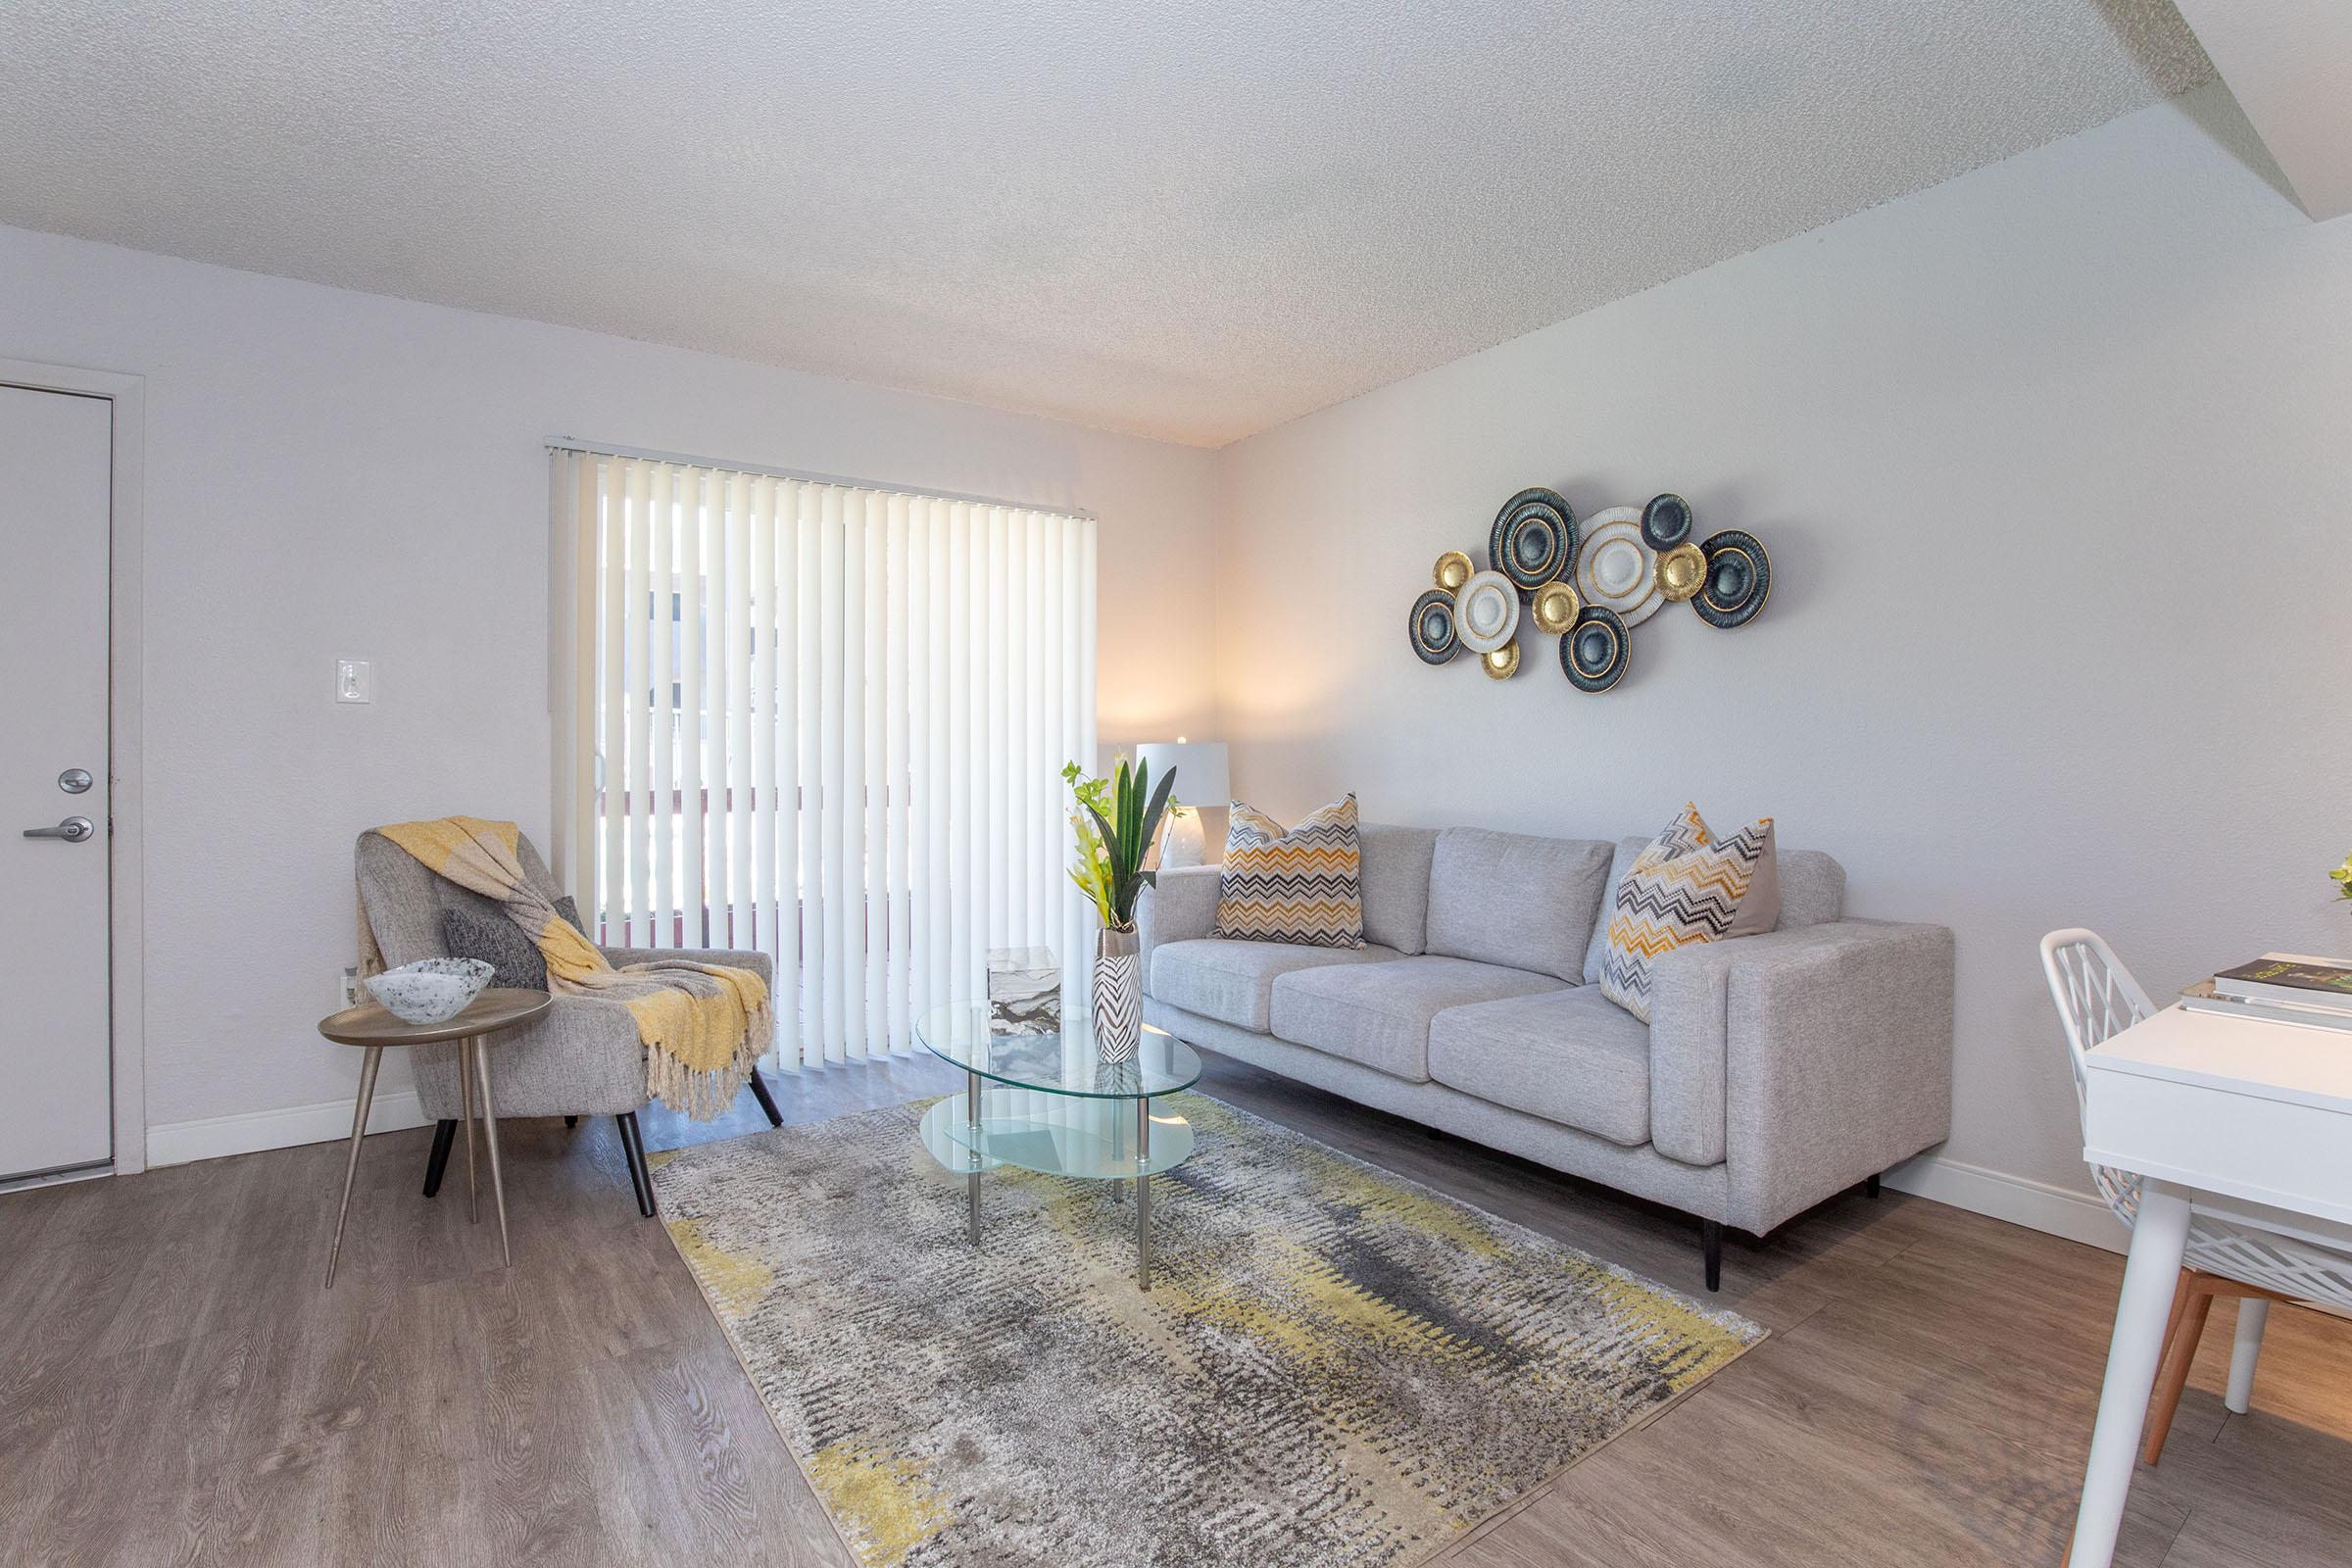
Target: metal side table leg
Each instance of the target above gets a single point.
(351, 1161)
(474, 1197)
(498, 1175)
(1142, 1194)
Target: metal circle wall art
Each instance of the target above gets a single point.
(1533, 540)
(1681, 572)
(1588, 585)
(1431, 627)
(1618, 570)
(1486, 613)
(1555, 605)
(1739, 579)
(1666, 523)
(1593, 652)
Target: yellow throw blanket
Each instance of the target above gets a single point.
(704, 1025)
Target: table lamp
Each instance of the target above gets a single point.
(1201, 780)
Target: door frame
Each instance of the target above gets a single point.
(126, 976)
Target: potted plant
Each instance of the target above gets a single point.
(1115, 823)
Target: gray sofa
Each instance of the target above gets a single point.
(1777, 1070)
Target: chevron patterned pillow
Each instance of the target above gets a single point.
(1304, 886)
(1687, 888)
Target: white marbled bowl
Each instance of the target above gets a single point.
(430, 990)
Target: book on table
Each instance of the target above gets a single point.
(2288, 980)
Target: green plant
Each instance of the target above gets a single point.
(1114, 824)
(2341, 876)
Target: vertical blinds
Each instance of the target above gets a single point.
(827, 723)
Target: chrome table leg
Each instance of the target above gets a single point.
(498, 1176)
(351, 1161)
(971, 1117)
(1142, 1194)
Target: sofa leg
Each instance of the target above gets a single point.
(444, 1134)
(1870, 1188)
(571, 1121)
(633, 1144)
(768, 1101)
(1710, 1238)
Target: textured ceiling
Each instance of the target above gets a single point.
(1188, 218)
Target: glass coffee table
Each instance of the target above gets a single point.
(1047, 1102)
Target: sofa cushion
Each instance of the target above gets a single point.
(1570, 1057)
(1628, 850)
(1812, 888)
(1232, 982)
(1688, 887)
(1396, 885)
(1304, 885)
(1378, 1014)
(1515, 900)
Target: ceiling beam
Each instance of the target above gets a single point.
(2289, 63)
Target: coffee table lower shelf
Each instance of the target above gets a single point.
(1082, 1137)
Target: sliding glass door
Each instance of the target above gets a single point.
(829, 724)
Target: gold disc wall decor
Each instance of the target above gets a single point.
(1503, 663)
(1556, 606)
(1682, 571)
(1453, 570)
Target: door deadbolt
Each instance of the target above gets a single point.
(73, 780)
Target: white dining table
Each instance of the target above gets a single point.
(2245, 1119)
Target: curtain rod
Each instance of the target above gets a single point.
(605, 448)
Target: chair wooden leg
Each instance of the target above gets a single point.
(2174, 1376)
(768, 1101)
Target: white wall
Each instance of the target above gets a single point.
(2054, 463)
(333, 474)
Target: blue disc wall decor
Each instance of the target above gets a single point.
(1737, 583)
(1533, 540)
(1431, 627)
(1593, 652)
(1590, 583)
(1665, 522)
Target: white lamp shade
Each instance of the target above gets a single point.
(1200, 776)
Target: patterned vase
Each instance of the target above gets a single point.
(1118, 996)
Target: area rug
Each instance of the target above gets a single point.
(1334, 1368)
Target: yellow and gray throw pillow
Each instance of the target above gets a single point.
(1686, 887)
(1304, 886)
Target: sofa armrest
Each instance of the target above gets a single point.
(1805, 1059)
(759, 963)
(1180, 906)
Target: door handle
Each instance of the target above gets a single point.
(73, 829)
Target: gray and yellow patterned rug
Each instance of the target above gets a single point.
(1334, 1368)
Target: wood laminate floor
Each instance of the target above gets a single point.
(176, 1387)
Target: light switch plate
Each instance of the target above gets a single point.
(355, 681)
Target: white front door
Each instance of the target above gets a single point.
(56, 1069)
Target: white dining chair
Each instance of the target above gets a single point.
(2233, 1250)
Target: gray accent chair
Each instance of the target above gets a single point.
(581, 1058)
(1775, 1071)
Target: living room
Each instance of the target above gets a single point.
(1682, 925)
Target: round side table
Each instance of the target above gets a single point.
(373, 1028)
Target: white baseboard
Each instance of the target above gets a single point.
(177, 1142)
(2019, 1199)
